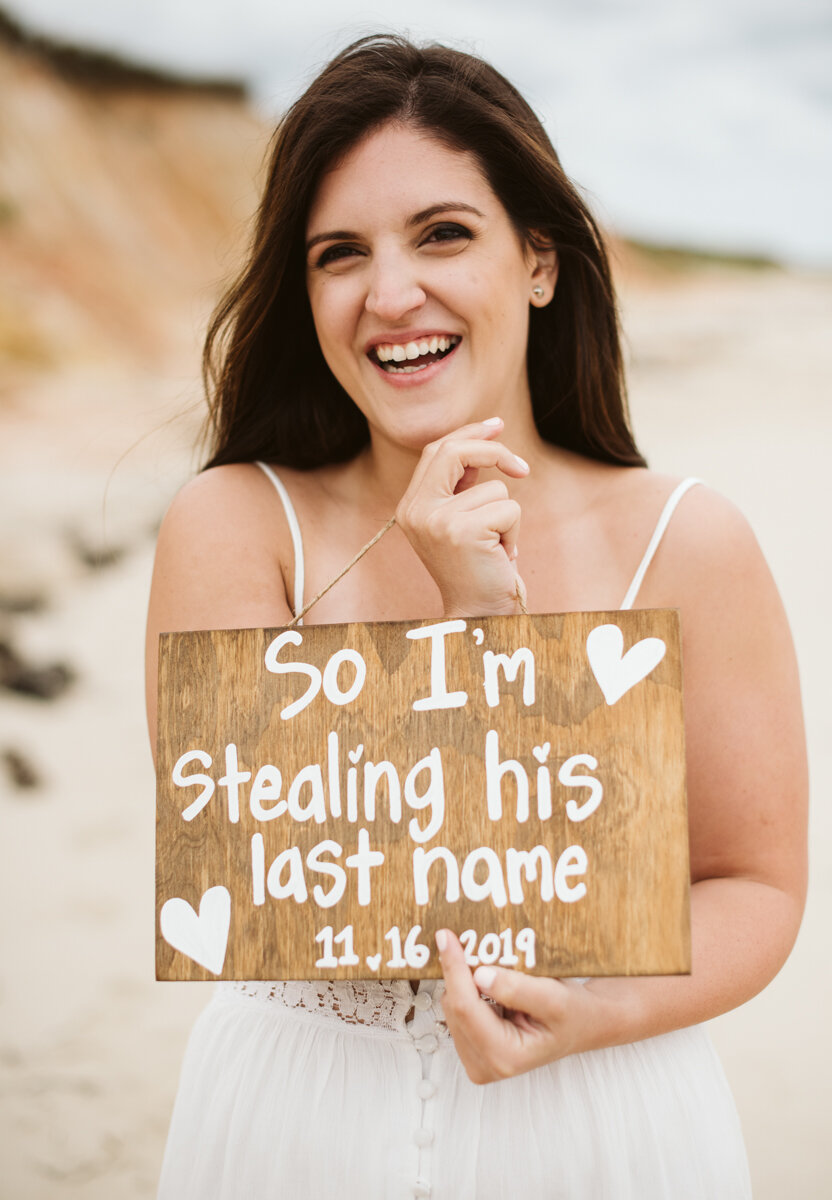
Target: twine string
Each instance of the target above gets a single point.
(519, 591)
(343, 572)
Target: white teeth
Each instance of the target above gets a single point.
(387, 352)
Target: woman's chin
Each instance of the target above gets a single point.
(412, 427)
(414, 435)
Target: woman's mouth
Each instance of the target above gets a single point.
(407, 358)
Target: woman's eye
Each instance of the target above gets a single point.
(334, 254)
(448, 233)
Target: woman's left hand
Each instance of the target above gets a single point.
(545, 1019)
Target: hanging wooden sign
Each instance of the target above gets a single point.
(330, 796)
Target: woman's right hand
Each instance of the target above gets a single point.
(465, 532)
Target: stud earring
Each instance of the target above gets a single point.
(537, 290)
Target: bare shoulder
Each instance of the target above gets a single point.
(223, 561)
(706, 521)
(234, 499)
(704, 539)
(224, 553)
(708, 550)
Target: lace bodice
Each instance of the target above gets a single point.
(390, 1005)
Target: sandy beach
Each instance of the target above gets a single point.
(730, 371)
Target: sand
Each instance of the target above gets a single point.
(730, 374)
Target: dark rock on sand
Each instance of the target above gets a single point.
(23, 774)
(15, 603)
(46, 683)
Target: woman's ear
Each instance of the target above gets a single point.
(543, 260)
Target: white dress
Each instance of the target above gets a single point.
(353, 1091)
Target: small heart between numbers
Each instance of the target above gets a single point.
(374, 961)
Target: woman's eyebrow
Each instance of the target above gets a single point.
(337, 235)
(425, 214)
(445, 206)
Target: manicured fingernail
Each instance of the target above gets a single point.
(484, 977)
(522, 462)
(441, 940)
(493, 421)
(514, 554)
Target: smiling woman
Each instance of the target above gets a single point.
(427, 325)
(457, 273)
(439, 107)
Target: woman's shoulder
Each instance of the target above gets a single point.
(630, 502)
(707, 552)
(225, 546)
(208, 494)
(700, 519)
(247, 485)
(235, 499)
(696, 537)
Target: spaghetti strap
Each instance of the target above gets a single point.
(632, 591)
(294, 529)
(658, 533)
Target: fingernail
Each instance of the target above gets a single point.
(493, 421)
(484, 977)
(522, 462)
(441, 940)
(514, 554)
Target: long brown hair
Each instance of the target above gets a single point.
(271, 394)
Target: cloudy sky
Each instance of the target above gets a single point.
(700, 122)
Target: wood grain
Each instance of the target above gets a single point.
(214, 689)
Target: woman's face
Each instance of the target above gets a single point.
(420, 287)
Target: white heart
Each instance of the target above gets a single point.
(204, 937)
(541, 753)
(616, 672)
(355, 754)
(478, 636)
(374, 961)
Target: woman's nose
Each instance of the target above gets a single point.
(394, 290)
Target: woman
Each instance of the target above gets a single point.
(426, 325)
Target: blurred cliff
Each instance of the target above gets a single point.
(122, 195)
(124, 198)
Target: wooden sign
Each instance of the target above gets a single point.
(331, 795)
